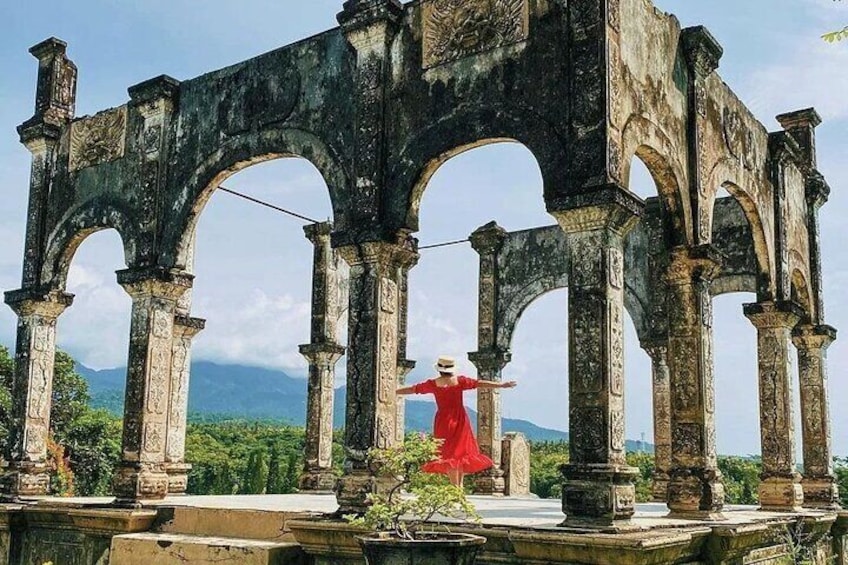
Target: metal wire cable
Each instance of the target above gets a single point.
(310, 220)
(269, 205)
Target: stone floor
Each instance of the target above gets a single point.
(276, 529)
(529, 512)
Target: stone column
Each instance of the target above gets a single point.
(516, 464)
(371, 411)
(658, 350)
(404, 365)
(695, 488)
(702, 54)
(780, 488)
(185, 330)
(819, 482)
(141, 473)
(322, 353)
(598, 483)
(26, 472)
(489, 365)
(489, 358)
(318, 452)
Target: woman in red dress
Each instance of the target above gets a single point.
(458, 452)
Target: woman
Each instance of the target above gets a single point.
(458, 452)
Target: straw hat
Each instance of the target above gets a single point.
(446, 365)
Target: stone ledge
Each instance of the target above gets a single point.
(173, 549)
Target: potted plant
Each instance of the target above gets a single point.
(402, 533)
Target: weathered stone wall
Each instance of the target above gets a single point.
(377, 105)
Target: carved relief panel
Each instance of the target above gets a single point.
(98, 139)
(454, 29)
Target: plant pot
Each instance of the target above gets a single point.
(426, 549)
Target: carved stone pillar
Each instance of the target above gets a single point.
(780, 488)
(489, 418)
(141, 473)
(702, 54)
(404, 365)
(26, 473)
(516, 464)
(55, 99)
(598, 483)
(322, 353)
(185, 330)
(318, 452)
(489, 358)
(695, 487)
(371, 411)
(658, 350)
(819, 482)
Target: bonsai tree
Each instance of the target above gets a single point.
(403, 515)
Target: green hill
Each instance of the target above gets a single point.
(251, 393)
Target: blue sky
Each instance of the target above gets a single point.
(253, 265)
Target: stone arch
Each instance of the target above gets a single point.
(69, 233)
(241, 152)
(464, 130)
(764, 279)
(644, 140)
(511, 312)
(800, 292)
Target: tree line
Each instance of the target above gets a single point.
(265, 457)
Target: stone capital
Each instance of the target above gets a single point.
(817, 190)
(490, 360)
(656, 348)
(362, 13)
(405, 366)
(610, 208)
(316, 232)
(154, 90)
(322, 353)
(31, 302)
(38, 135)
(693, 264)
(773, 315)
(783, 147)
(702, 51)
(488, 239)
(378, 253)
(155, 282)
(806, 118)
(186, 326)
(813, 337)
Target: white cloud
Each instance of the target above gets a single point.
(815, 74)
(262, 330)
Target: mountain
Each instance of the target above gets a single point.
(237, 391)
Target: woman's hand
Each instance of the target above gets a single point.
(509, 384)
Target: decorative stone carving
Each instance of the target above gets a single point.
(454, 29)
(515, 463)
(98, 139)
(614, 14)
(819, 483)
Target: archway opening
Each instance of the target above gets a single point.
(737, 232)
(90, 370)
(500, 182)
(253, 284)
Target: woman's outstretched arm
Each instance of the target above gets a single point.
(492, 384)
(406, 390)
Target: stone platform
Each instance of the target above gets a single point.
(296, 530)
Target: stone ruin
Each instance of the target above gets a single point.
(377, 105)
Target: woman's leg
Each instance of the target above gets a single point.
(455, 476)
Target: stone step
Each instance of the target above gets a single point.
(177, 549)
(240, 523)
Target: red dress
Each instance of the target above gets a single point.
(459, 449)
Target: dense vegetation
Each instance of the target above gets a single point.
(249, 457)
